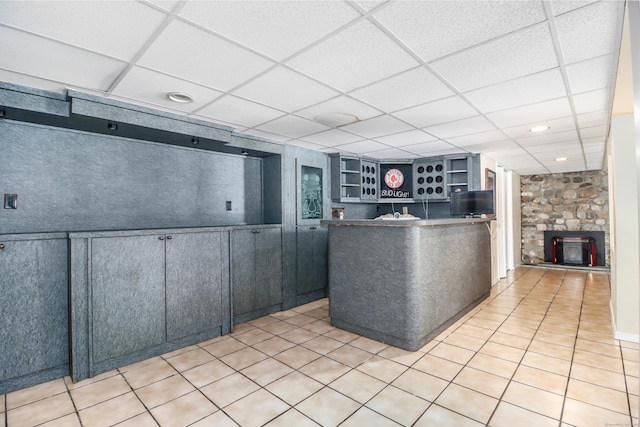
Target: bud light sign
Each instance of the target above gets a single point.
(395, 181)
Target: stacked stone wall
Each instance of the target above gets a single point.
(577, 201)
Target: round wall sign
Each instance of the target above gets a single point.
(393, 178)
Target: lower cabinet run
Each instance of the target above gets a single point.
(33, 309)
(139, 294)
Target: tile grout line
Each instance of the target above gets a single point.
(500, 399)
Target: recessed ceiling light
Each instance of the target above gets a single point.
(181, 97)
(336, 119)
(561, 159)
(540, 128)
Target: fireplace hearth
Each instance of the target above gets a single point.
(577, 248)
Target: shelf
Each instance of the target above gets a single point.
(458, 171)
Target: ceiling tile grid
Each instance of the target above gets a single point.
(419, 78)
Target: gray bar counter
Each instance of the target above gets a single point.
(404, 281)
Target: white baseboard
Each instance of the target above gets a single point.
(621, 336)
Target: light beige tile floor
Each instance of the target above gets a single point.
(538, 352)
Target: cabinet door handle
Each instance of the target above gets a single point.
(256, 231)
(1, 245)
(169, 237)
(313, 228)
(161, 237)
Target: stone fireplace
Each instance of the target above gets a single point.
(569, 204)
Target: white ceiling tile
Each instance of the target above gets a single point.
(563, 6)
(530, 89)
(437, 28)
(592, 74)
(595, 157)
(517, 54)
(46, 59)
(593, 23)
(548, 138)
(277, 28)
(152, 87)
(429, 147)
(292, 126)
(594, 165)
(332, 137)
(534, 113)
(357, 56)
(594, 132)
(167, 108)
(595, 100)
(443, 152)
(165, 4)
(369, 5)
(340, 104)
(437, 112)
(362, 147)
(511, 153)
(285, 89)
(32, 81)
(468, 126)
(377, 126)
(118, 29)
(390, 153)
(533, 170)
(477, 138)
(239, 111)
(593, 119)
(410, 88)
(406, 138)
(267, 135)
(594, 146)
(551, 149)
(556, 125)
(565, 167)
(305, 144)
(179, 51)
(489, 147)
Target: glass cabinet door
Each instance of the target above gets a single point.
(311, 192)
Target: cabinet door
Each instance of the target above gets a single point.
(128, 294)
(243, 270)
(311, 257)
(33, 307)
(256, 264)
(194, 283)
(268, 259)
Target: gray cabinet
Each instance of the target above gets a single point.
(311, 265)
(33, 311)
(256, 272)
(127, 295)
(139, 295)
(194, 279)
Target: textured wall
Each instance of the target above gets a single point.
(577, 201)
(70, 180)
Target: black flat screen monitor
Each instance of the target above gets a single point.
(469, 203)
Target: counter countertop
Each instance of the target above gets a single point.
(146, 232)
(409, 222)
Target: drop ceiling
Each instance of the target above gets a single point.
(420, 78)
